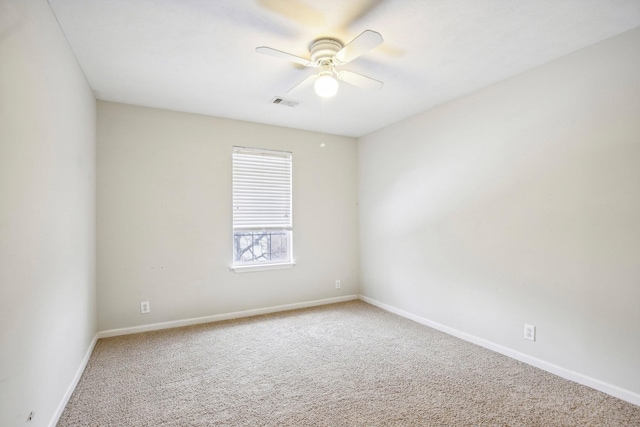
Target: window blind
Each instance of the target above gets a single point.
(261, 189)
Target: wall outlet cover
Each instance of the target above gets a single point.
(529, 332)
(144, 307)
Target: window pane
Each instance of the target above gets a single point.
(261, 246)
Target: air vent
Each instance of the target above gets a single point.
(278, 100)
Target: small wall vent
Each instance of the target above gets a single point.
(283, 101)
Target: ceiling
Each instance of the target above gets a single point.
(199, 56)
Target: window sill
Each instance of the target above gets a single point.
(261, 267)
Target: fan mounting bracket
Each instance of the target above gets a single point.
(324, 50)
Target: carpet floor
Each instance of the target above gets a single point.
(347, 364)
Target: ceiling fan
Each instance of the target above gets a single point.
(327, 54)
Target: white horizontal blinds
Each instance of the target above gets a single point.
(261, 189)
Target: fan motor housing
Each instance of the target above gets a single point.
(324, 49)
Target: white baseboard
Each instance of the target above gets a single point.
(219, 317)
(74, 383)
(577, 377)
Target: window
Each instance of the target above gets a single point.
(262, 220)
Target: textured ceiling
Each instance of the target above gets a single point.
(199, 56)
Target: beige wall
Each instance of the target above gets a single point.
(164, 217)
(518, 204)
(47, 214)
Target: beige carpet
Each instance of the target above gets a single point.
(348, 364)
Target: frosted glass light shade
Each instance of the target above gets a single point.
(326, 86)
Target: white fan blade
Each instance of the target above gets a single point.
(361, 44)
(284, 55)
(359, 80)
(304, 84)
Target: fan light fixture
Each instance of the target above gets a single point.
(326, 86)
(326, 54)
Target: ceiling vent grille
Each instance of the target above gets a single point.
(278, 100)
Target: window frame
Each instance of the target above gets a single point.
(257, 224)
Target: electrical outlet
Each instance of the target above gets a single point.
(144, 307)
(30, 417)
(338, 285)
(529, 332)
